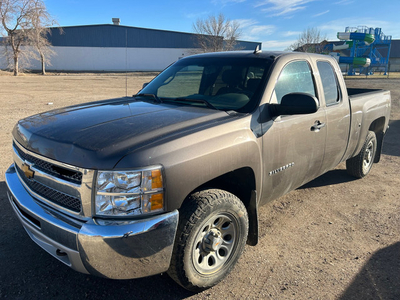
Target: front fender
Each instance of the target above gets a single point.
(198, 157)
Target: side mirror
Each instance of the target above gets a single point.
(295, 104)
(145, 84)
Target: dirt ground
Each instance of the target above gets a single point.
(334, 238)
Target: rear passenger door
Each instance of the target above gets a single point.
(337, 115)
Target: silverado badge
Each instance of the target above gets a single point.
(281, 169)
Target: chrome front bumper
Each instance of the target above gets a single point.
(131, 249)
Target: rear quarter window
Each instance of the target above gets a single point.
(329, 82)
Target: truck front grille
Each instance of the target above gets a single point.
(51, 194)
(62, 186)
(57, 171)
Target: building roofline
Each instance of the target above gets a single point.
(134, 27)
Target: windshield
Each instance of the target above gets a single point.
(225, 83)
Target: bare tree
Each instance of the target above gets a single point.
(217, 33)
(310, 40)
(23, 21)
(41, 21)
(15, 17)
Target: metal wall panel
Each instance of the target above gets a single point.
(125, 36)
(395, 49)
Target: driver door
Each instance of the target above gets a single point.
(293, 146)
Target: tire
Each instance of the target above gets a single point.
(211, 236)
(360, 165)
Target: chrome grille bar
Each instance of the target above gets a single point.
(57, 171)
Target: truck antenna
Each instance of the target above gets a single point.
(126, 62)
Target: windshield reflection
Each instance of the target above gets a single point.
(224, 83)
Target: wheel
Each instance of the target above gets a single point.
(360, 165)
(211, 236)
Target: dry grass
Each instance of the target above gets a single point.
(377, 75)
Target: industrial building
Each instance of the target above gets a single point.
(394, 57)
(119, 48)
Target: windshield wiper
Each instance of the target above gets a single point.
(203, 101)
(154, 96)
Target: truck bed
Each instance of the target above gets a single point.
(356, 92)
(366, 105)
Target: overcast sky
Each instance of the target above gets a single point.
(275, 23)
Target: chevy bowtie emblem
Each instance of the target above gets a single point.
(27, 171)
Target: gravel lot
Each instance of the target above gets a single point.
(334, 238)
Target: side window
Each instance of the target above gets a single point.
(329, 82)
(295, 77)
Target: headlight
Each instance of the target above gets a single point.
(129, 193)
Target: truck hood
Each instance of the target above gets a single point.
(97, 135)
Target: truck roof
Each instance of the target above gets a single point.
(261, 54)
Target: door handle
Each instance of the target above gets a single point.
(317, 126)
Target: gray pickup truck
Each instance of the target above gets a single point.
(171, 179)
